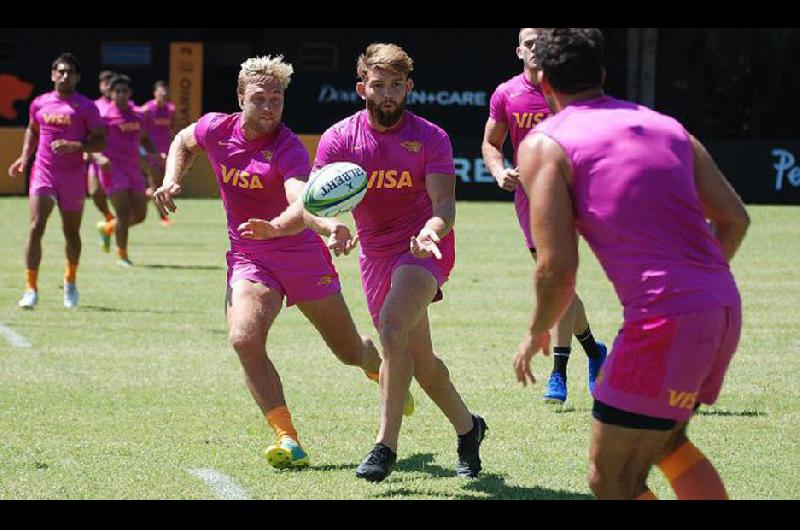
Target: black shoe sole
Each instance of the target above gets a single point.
(371, 478)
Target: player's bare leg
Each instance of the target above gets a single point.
(434, 378)
(412, 290)
(99, 197)
(332, 319)
(122, 206)
(251, 310)
(620, 460)
(39, 209)
(71, 225)
(573, 323)
(404, 344)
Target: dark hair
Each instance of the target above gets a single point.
(119, 79)
(69, 59)
(571, 58)
(160, 83)
(105, 75)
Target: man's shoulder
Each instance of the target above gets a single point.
(425, 127)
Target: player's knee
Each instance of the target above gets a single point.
(37, 227)
(393, 334)
(242, 341)
(603, 483)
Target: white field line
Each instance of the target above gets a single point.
(223, 486)
(14, 338)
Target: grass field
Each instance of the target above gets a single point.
(127, 394)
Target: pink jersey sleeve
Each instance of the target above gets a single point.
(329, 149)
(497, 106)
(439, 154)
(32, 119)
(293, 161)
(205, 126)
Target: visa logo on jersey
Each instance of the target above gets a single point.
(240, 179)
(390, 179)
(528, 120)
(57, 119)
(682, 400)
(130, 126)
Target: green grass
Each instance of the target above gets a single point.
(120, 397)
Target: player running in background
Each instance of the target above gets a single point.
(261, 168)
(62, 126)
(160, 114)
(640, 189)
(516, 107)
(93, 170)
(121, 175)
(405, 224)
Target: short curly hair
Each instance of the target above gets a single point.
(571, 58)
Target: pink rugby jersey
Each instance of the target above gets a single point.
(159, 123)
(251, 176)
(396, 206)
(520, 105)
(58, 118)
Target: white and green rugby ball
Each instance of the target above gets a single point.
(335, 189)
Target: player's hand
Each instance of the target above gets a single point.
(530, 346)
(17, 168)
(425, 244)
(258, 229)
(61, 147)
(341, 241)
(509, 179)
(163, 198)
(148, 192)
(103, 161)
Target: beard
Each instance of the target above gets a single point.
(386, 119)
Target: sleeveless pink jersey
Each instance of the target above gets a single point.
(397, 205)
(520, 105)
(251, 176)
(637, 206)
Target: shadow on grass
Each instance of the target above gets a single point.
(743, 413)
(185, 267)
(486, 486)
(103, 309)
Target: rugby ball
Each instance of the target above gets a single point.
(335, 189)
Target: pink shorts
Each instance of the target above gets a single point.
(376, 273)
(121, 178)
(663, 366)
(68, 191)
(301, 274)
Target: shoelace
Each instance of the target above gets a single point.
(378, 455)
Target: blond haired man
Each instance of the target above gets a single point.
(261, 167)
(405, 224)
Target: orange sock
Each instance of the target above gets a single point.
(111, 224)
(281, 422)
(70, 272)
(122, 253)
(374, 376)
(109, 216)
(646, 496)
(691, 475)
(30, 279)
